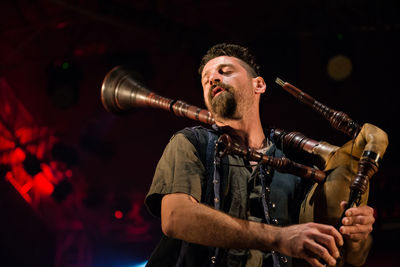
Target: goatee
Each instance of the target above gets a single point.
(224, 104)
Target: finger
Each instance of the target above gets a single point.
(360, 219)
(330, 230)
(329, 242)
(356, 236)
(356, 229)
(363, 210)
(319, 251)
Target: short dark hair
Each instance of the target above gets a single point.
(231, 50)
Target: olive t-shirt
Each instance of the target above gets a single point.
(179, 170)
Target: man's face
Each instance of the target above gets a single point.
(227, 87)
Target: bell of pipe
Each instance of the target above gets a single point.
(120, 92)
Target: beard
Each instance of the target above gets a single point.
(224, 104)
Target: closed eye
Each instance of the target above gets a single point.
(225, 71)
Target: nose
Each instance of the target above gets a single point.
(215, 77)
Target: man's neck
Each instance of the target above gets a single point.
(249, 131)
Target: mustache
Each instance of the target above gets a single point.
(226, 87)
(222, 85)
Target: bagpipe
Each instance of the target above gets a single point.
(340, 173)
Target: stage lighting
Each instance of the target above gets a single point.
(143, 264)
(339, 67)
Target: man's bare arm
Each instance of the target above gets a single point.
(182, 217)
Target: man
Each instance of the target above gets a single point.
(250, 216)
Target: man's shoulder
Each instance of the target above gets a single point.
(198, 135)
(203, 140)
(198, 130)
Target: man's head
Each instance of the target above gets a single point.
(232, 50)
(230, 80)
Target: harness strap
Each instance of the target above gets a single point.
(265, 196)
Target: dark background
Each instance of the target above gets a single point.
(54, 55)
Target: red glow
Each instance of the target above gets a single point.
(17, 156)
(118, 214)
(9, 177)
(135, 213)
(61, 25)
(68, 173)
(101, 49)
(90, 49)
(26, 187)
(48, 173)
(78, 52)
(41, 149)
(6, 144)
(57, 62)
(42, 185)
(7, 109)
(25, 134)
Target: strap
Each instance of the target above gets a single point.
(213, 173)
(217, 187)
(265, 197)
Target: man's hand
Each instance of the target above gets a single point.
(356, 229)
(311, 241)
(357, 223)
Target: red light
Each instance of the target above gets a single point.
(101, 49)
(57, 63)
(17, 156)
(118, 214)
(68, 173)
(78, 52)
(42, 185)
(61, 25)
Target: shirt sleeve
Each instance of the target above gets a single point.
(179, 170)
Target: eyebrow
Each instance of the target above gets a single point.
(219, 66)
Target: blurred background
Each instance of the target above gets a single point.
(73, 176)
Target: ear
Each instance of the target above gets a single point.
(259, 85)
